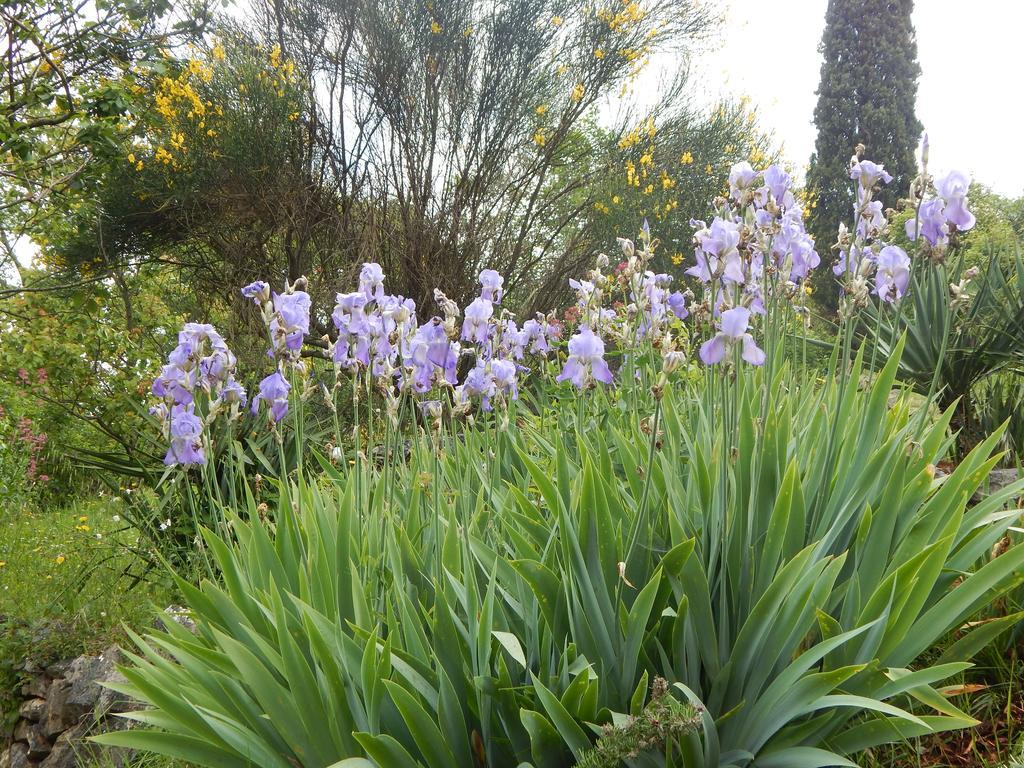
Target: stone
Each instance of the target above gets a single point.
(16, 756)
(57, 718)
(83, 678)
(115, 702)
(997, 480)
(180, 615)
(65, 752)
(36, 686)
(32, 710)
(59, 668)
(38, 745)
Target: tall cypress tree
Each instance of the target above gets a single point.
(866, 96)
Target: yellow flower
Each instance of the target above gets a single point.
(218, 52)
(648, 189)
(578, 91)
(131, 157)
(60, 559)
(84, 528)
(467, 32)
(615, 199)
(686, 158)
(538, 138)
(435, 28)
(542, 109)
(556, 21)
(560, 70)
(275, 56)
(598, 54)
(138, 166)
(3, 563)
(708, 169)
(677, 259)
(211, 133)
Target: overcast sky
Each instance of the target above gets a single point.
(969, 96)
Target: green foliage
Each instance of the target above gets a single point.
(69, 577)
(866, 96)
(73, 364)
(512, 592)
(954, 344)
(69, 72)
(680, 162)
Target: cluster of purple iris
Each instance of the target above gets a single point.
(201, 362)
(866, 263)
(756, 243)
(754, 252)
(379, 334)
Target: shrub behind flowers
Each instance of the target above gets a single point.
(556, 520)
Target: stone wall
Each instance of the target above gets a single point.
(62, 705)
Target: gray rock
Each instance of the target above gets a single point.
(83, 678)
(32, 710)
(38, 745)
(59, 668)
(180, 615)
(66, 751)
(57, 718)
(997, 480)
(36, 686)
(16, 756)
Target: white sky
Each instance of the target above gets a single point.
(968, 95)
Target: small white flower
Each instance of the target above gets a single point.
(165, 524)
(116, 518)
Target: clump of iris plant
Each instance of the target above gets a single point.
(752, 263)
(200, 367)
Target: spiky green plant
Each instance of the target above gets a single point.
(780, 550)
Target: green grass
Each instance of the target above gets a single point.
(69, 582)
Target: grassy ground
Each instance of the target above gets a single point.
(68, 584)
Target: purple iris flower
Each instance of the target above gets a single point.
(186, 437)
(930, 222)
(274, 390)
(871, 219)
(869, 173)
(893, 273)
(741, 177)
(291, 320)
(232, 392)
(586, 360)
(476, 326)
(953, 189)
(513, 340)
(430, 355)
(371, 281)
(174, 384)
(258, 292)
(349, 314)
(719, 243)
(733, 326)
(677, 305)
(479, 383)
(505, 377)
(216, 368)
(491, 286)
(778, 181)
(538, 333)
